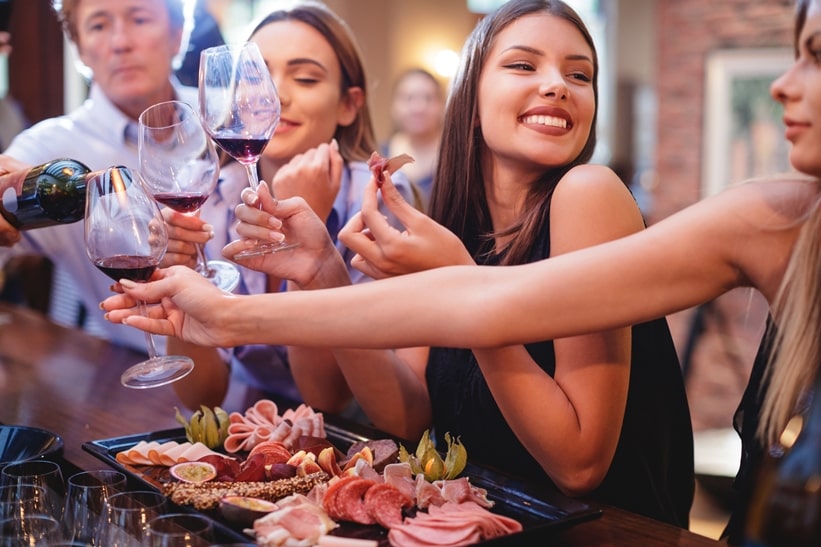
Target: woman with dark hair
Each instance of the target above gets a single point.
(603, 415)
(319, 152)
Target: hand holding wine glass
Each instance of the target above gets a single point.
(179, 165)
(126, 238)
(240, 109)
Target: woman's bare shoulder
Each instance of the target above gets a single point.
(589, 182)
(778, 197)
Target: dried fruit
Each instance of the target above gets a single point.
(210, 427)
(243, 510)
(428, 462)
(193, 472)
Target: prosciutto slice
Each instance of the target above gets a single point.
(262, 422)
(379, 165)
(452, 524)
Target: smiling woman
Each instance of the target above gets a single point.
(513, 185)
(318, 151)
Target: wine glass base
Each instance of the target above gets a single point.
(222, 274)
(265, 248)
(157, 372)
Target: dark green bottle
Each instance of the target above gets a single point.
(49, 194)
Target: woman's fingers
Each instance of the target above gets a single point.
(368, 268)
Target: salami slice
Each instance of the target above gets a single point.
(385, 503)
(329, 502)
(350, 501)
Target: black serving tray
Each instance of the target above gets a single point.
(540, 512)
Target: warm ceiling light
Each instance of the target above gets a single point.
(446, 62)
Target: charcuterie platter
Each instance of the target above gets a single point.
(536, 512)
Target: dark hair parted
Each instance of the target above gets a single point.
(458, 199)
(356, 141)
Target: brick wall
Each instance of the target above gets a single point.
(688, 30)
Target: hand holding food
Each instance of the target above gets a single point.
(385, 251)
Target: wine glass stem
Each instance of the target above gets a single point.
(202, 262)
(149, 340)
(253, 178)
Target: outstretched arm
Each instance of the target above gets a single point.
(682, 261)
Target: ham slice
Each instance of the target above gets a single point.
(452, 524)
(296, 521)
(137, 454)
(262, 423)
(166, 454)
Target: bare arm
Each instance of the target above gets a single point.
(208, 383)
(582, 404)
(682, 261)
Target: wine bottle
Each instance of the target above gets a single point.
(49, 194)
(786, 506)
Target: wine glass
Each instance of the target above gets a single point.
(29, 530)
(126, 238)
(240, 109)
(87, 491)
(21, 499)
(179, 530)
(125, 517)
(21, 476)
(180, 167)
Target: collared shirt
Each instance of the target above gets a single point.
(98, 134)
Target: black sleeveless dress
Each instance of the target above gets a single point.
(652, 470)
(746, 421)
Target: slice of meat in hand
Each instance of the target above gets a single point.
(379, 165)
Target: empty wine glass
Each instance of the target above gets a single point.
(126, 238)
(87, 491)
(21, 499)
(20, 476)
(179, 530)
(29, 530)
(240, 109)
(180, 167)
(125, 517)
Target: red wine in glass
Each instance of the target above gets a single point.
(182, 202)
(133, 267)
(180, 167)
(241, 149)
(240, 109)
(126, 238)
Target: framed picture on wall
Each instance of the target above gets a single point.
(743, 128)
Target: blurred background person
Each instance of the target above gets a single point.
(417, 111)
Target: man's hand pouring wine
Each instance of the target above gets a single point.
(9, 235)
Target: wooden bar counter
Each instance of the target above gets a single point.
(68, 382)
